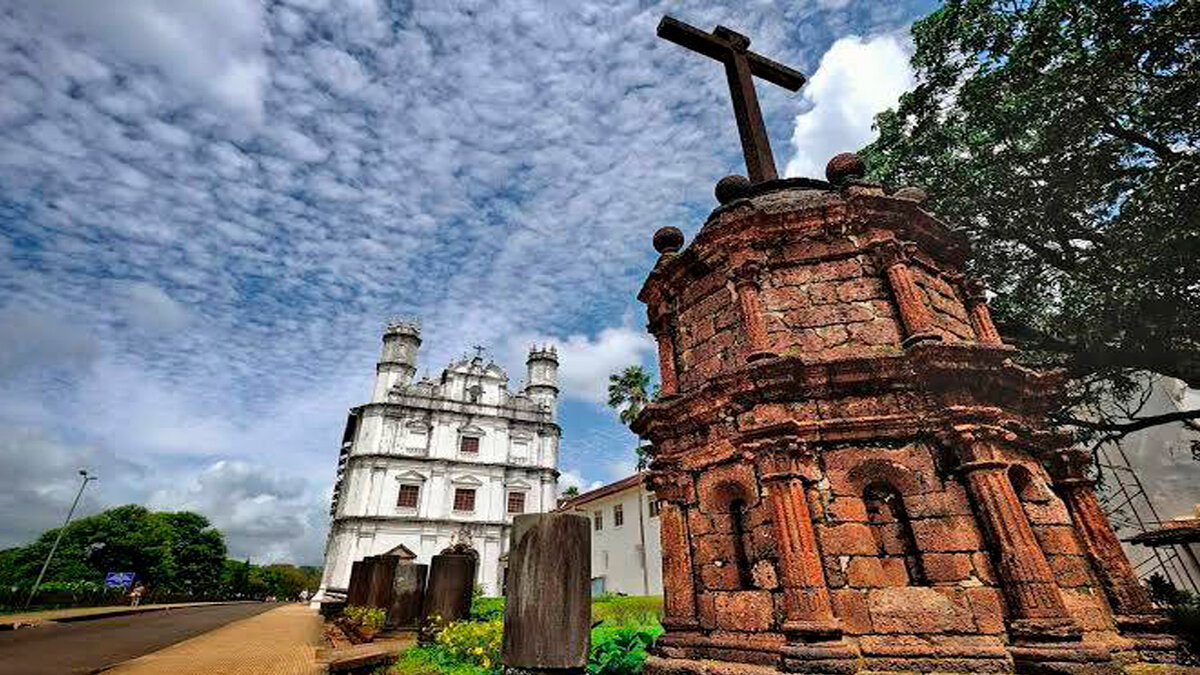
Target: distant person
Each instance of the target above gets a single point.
(304, 595)
(135, 596)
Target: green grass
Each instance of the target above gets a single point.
(628, 611)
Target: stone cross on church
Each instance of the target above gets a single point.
(741, 66)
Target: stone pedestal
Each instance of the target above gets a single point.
(547, 617)
(850, 464)
(381, 574)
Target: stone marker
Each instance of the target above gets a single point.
(547, 619)
(356, 589)
(448, 591)
(379, 583)
(408, 594)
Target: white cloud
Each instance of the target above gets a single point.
(214, 46)
(585, 362)
(857, 78)
(569, 478)
(149, 308)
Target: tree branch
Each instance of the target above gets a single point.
(1159, 148)
(1124, 428)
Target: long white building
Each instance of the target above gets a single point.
(626, 550)
(433, 463)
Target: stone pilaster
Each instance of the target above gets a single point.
(747, 282)
(979, 314)
(1045, 638)
(1136, 616)
(664, 335)
(679, 590)
(891, 255)
(815, 641)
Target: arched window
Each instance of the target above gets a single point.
(737, 517)
(892, 531)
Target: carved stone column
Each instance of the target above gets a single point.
(1044, 636)
(815, 641)
(892, 256)
(980, 316)
(679, 589)
(747, 282)
(1136, 616)
(664, 334)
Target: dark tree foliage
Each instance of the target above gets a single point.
(169, 552)
(1063, 138)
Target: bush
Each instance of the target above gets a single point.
(620, 651)
(371, 618)
(487, 609)
(473, 642)
(432, 661)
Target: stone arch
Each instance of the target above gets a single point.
(901, 478)
(728, 497)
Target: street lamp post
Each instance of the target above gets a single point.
(61, 531)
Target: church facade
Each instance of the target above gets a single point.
(429, 464)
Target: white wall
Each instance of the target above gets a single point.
(617, 554)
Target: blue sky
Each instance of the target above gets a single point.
(207, 211)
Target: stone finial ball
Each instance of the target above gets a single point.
(668, 239)
(912, 194)
(843, 167)
(730, 188)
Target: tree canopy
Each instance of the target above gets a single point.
(1062, 137)
(628, 393)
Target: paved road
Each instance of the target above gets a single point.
(90, 646)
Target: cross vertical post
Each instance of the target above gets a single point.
(741, 67)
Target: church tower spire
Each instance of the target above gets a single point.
(398, 362)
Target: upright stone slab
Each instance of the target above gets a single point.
(849, 464)
(448, 592)
(383, 569)
(408, 595)
(356, 590)
(547, 617)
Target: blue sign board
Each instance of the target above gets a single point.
(118, 579)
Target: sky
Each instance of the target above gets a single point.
(209, 209)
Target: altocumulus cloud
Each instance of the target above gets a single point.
(208, 208)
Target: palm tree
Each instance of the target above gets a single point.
(571, 492)
(627, 394)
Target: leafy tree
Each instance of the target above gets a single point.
(571, 492)
(1063, 138)
(171, 552)
(627, 394)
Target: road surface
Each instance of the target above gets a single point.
(90, 646)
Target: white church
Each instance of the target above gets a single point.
(433, 463)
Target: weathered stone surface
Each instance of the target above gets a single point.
(408, 595)
(842, 442)
(547, 618)
(448, 590)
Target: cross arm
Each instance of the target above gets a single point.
(775, 72)
(693, 38)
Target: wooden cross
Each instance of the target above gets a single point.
(741, 66)
(478, 351)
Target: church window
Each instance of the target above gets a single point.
(653, 507)
(464, 499)
(516, 502)
(408, 497)
(618, 515)
(469, 445)
(597, 520)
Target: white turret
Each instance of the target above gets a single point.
(398, 363)
(541, 382)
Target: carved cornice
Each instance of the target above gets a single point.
(749, 273)
(779, 452)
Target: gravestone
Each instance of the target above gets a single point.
(408, 596)
(379, 586)
(547, 618)
(448, 591)
(356, 590)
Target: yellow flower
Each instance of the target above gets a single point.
(479, 650)
(487, 663)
